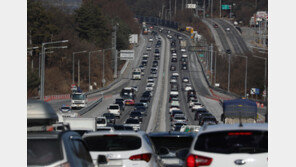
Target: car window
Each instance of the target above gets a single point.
(113, 107)
(228, 142)
(43, 152)
(81, 151)
(172, 143)
(113, 143)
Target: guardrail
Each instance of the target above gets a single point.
(88, 108)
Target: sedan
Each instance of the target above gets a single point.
(173, 68)
(135, 123)
(185, 79)
(129, 102)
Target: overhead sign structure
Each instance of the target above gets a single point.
(255, 91)
(127, 54)
(191, 6)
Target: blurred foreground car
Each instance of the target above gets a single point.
(120, 148)
(230, 145)
(52, 144)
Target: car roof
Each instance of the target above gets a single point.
(226, 127)
(100, 133)
(171, 134)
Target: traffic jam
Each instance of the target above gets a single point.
(194, 136)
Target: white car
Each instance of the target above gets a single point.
(191, 102)
(227, 29)
(175, 103)
(195, 107)
(101, 121)
(174, 55)
(149, 87)
(148, 48)
(150, 79)
(145, 55)
(173, 108)
(135, 123)
(183, 50)
(151, 82)
(179, 118)
(175, 74)
(185, 80)
(150, 39)
(188, 87)
(114, 109)
(120, 148)
(184, 55)
(230, 145)
(173, 81)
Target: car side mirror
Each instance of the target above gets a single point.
(181, 154)
(102, 159)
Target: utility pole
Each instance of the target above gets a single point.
(215, 68)
(78, 72)
(228, 72)
(204, 7)
(170, 9)
(162, 11)
(89, 71)
(114, 52)
(211, 49)
(175, 8)
(220, 8)
(211, 8)
(103, 80)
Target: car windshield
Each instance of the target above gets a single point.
(113, 142)
(109, 116)
(180, 118)
(135, 114)
(113, 107)
(172, 143)
(137, 73)
(65, 108)
(132, 121)
(228, 142)
(42, 152)
(101, 121)
(78, 97)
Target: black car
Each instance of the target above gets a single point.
(174, 87)
(144, 63)
(141, 109)
(123, 127)
(156, 51)
(174, 59)
(228, 51)
(191, 97)
(110, 118)
(120, 102)
(202, 115)
(155, 63)
(156, 57)
(208, 120)
(136, 114)
(183, 59)
(198, 112)
(184, 67)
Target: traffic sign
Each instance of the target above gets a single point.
(226, 7)
(255, 91)
(201, 55)
(127, 54)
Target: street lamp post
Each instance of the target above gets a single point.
(73, 65)
(246, 74)
(265, 71)
(31, 53)
(43, 64)
(228, 72)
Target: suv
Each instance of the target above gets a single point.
(121, 148)
(230, 145)
(51, 144)
(114, 109)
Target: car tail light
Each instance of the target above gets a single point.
(141, 157)
(66, 164)
(197, 160)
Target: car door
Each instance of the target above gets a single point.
(81, 153)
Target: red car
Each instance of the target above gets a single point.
(129, 102)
